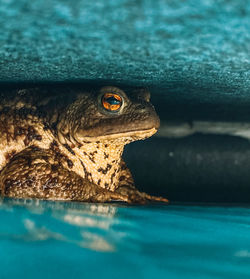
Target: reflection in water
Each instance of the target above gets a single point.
(95, 242)
(84, 221)
(89, 220)
(78, 240)
(37, 234)
(243, 254)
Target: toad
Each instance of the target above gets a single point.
(66, 143)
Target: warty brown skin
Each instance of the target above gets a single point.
(62, 144)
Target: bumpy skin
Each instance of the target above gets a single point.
(62, 144)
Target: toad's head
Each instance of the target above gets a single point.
(109, 114)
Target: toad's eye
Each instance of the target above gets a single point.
(111, 101)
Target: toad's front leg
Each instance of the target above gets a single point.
(30, 175)
(127, 188)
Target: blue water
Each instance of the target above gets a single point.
(79, 240)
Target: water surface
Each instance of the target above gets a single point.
(41, 239)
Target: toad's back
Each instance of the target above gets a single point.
(24, 122)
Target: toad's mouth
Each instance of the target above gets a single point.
(123, 136)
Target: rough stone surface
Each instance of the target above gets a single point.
(188, 51)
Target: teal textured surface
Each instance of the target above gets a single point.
(192, 51)
(77, 240)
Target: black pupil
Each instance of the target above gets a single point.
(112, 101)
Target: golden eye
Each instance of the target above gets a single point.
(111, 101)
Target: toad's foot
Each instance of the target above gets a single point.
(135, 196)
